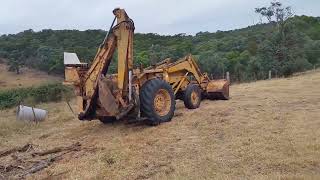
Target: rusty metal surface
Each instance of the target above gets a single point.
(218, 89)
(71, 75)
(107, 100)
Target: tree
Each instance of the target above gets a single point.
(284, 50)
(278, 14)
(275, 13)
(16, 61)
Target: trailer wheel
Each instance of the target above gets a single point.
(157, 102)
(192, 96)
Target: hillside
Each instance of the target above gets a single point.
(268, 130)
(27, 78)
(248, 53)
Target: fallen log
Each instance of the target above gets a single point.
(45, 163)
(41, 165)
(16, 149)
(75, 146)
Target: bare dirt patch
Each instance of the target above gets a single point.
(27, 78)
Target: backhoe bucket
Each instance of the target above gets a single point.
(218, 89)
(106, 100)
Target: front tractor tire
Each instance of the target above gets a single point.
(157, 101)
(192, 96)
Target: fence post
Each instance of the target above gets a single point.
(223, 74)
(228, 76)
(270, 75)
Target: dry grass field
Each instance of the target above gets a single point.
(27, 78)
(268, 130)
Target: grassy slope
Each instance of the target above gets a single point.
(28, 77)
(269, 129)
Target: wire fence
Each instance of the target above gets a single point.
(232, 78)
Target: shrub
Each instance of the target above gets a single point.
(43, 93)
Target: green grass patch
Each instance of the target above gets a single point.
(33, 95)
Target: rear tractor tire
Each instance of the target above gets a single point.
(192, 96)
(157, 101)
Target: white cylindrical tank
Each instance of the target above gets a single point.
(25, 113)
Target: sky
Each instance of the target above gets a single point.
(150, 16)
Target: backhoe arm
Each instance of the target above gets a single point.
(121, 37)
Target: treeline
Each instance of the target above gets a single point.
(285, 47)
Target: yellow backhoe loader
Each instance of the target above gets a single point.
(136, 93)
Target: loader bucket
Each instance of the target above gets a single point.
(218, 89)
